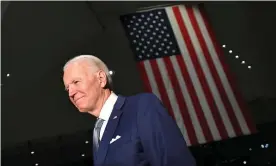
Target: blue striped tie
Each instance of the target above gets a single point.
(96, 133)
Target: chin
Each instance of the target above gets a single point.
(82, 110)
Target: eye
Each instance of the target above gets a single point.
(75, 82)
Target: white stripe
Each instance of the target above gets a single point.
(191, 70)
(225, 83)
(184, 91)
(172, 98)
(150, 76)
(207, 72)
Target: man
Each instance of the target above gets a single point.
(129, 131)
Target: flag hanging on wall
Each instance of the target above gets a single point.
(180, 62)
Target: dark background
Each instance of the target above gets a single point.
(39, 37)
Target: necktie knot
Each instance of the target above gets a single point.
(99, 123)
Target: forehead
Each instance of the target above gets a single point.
(75, 69)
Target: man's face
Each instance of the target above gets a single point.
(83, 85)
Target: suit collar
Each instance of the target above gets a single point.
(109, 130)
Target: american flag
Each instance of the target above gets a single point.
(181, 63)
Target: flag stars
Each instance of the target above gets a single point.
(150, 35)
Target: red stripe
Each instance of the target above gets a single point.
(161, 87)
(144, 76)
(191, 90)
(180, 100)
(214, 73)
(198, 68)
(229, 76)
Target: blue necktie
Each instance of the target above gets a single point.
(96, 133)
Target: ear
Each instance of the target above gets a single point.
(102, 78)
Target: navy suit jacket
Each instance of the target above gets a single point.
(149, 136)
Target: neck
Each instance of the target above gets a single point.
(102, 99)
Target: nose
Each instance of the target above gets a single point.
(71, 91)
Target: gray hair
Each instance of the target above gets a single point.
(95, 62)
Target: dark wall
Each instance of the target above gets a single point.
(37, 39)
(249, 30)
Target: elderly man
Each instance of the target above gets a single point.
(129, 131)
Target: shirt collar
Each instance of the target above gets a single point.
(108, 107)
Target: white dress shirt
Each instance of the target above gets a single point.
(107, 110)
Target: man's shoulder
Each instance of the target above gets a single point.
(143, 97)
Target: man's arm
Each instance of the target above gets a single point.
(162, 141)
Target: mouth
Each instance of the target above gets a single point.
(77, 99)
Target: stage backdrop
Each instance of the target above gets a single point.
(180, 61)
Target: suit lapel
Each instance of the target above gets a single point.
(109, 130)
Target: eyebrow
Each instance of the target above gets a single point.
(75, 79)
